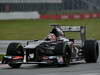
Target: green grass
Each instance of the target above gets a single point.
(38, 29)
(1, 56)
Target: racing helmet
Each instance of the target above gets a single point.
(58, 32)
(51, 37)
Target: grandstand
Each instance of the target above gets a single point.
(44, 6)
(93, 4)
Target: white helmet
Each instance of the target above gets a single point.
(60, 32)
(52, 37)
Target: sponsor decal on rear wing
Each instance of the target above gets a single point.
(73, 28)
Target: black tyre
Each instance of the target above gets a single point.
(91, 51)
(59, 48)
(43, 65)
(67, 55)
(64, 50)
(15, 49)
(14, 65)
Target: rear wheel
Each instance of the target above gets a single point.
(15, 49)
(91, 51)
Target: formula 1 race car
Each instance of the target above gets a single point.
(54, 49)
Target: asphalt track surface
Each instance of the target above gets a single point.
(80, 68)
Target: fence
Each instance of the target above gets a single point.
(19, 15)
(71, 16)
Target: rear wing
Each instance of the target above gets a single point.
(80, 29)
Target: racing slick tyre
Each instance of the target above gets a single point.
(15, 49)
(91, 51)
(63, 50)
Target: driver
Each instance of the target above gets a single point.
(57, 31)
(56, 34)
(59, 34)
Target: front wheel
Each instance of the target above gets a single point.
(14, 65)
(15, 49)
(63, 49)
(67, 55)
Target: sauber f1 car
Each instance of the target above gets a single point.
(54, 49)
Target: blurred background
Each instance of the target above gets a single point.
(29, 19)
(50, 6)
